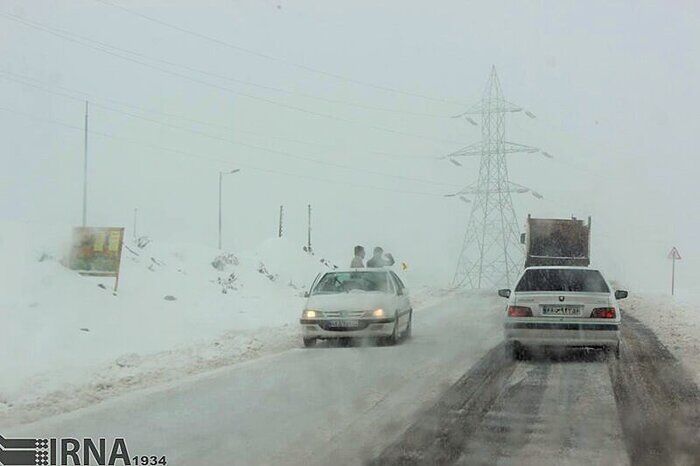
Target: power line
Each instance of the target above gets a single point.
(248, 82)
(36, 83)
(278, 59)
(253, 146)
(272, 88)
(109, 49)
(216, 159)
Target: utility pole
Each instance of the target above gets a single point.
(85, 166)
(491, 252)
(279, 227)
(221, 176)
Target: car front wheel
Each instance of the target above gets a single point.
(394, 337)
(409, 326)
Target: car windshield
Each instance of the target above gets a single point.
(563, 280)
(345, 282)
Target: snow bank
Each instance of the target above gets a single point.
(675, 320)
(180, 307)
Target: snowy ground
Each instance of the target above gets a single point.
(675, 320)
(69, 342)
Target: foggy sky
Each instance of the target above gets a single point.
(614, 88)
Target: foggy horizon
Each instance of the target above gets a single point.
(612, 106)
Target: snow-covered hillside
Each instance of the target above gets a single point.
(179, 308)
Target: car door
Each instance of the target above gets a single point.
(404, 305)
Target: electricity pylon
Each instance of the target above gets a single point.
(491, 253)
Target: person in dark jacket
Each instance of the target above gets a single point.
(379, 259)
(358, 260)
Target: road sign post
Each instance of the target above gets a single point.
(674, 255)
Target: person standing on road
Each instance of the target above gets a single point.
(358, 260)
(379, 259)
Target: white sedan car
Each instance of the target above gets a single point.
(562, 306)
(357, 303)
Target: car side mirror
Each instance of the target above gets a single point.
(306, 294)
(504, 293)
(621, 294)
(522, 238)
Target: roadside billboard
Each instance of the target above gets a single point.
(97, 251)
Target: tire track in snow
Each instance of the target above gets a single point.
(439, 435)
(641, 409)
(558, 410)
(511, 420)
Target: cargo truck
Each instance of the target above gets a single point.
(553, 241)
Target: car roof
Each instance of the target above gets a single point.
(565, 267)
(360, 270)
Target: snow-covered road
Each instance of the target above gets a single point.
(573, 407)
(318, 406)
(551, 413)
(448, 395)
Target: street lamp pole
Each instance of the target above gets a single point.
(85, 166)
(221, 177)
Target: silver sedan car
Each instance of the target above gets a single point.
(357, 303)
(562, 306)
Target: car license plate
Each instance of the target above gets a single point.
(344, 323)
(561, 310)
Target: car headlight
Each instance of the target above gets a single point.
(377, 313)
(311, 314)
